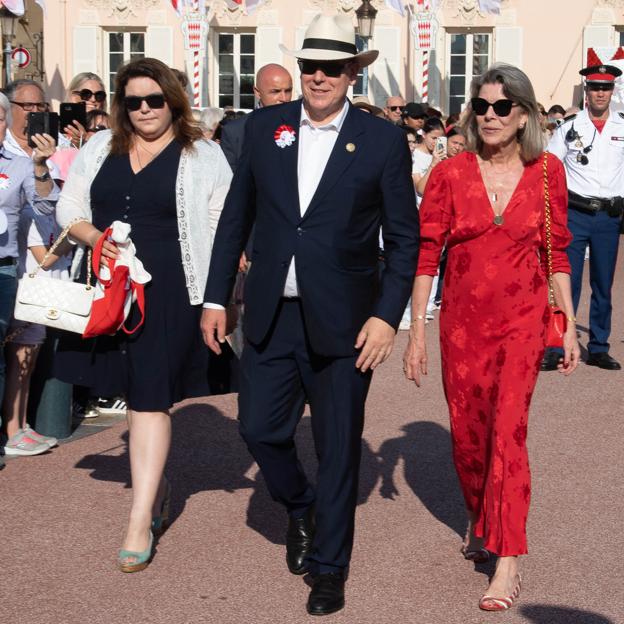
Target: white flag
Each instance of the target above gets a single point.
(490, 6)
(15, 6)
(252, 5)
(396, 5)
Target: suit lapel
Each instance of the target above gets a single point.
(289, 157)
(343, 155)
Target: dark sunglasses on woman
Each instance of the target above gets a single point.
(332, 69)
(501, 108)
(154, 100)
(87, 94)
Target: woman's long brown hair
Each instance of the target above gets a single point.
(185, 128)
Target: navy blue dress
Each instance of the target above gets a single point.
(166, 360)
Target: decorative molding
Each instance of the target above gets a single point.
(268, 18)
(122, 10)
(468, 10)
(345, 6)
(615, 4)
(603, 15)
(88, 16)
(156, 18)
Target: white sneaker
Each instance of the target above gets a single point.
(22, 444)
(49, 440)
(112, 407)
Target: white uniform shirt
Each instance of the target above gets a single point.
(603, 175)
(315, 147)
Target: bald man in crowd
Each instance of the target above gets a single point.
(273, 86)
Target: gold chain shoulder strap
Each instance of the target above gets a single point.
(58, 241)
(548, 227)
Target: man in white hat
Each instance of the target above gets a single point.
(318, 179)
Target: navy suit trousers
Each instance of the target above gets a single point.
(275, 378)
(601, 233)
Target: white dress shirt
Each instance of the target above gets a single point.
(315, 147)
(603, 175)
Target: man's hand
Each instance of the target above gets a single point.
(375, 339)
(213, 321)
(45, 146)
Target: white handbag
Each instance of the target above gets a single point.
(53, 302)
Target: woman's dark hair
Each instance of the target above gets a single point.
(185, 128)
(94, 114)
(452, 119)
(454, 131)
(431, 124)
(556, 108)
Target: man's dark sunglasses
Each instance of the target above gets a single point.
(87, 94)
(97, 128)
(600, 87)
(154, 100)
(394, 109)
(501, 108)
(41, 107)
(332, 69)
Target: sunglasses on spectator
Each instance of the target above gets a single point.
(86, 94)
(501, 108)
(42, 107)
(154, 100)
(394, 109)
(97, 128)
(332, 69)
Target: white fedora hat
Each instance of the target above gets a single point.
(331, 38)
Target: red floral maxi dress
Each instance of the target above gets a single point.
(492, 329)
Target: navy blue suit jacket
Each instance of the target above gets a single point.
(335, 242)
(232, 138)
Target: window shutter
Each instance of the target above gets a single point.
(267, 45)
(85, 41)
(508, 45)
(385, 71)
(596, 37)
(159, 43)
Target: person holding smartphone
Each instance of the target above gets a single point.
(85, 88)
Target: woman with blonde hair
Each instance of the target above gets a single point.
(488, 206)
(155, 172)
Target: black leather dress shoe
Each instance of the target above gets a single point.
(550, 361)
(299, 541)
(603, 360)
(327, 595)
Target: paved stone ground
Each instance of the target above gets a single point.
(222, 560)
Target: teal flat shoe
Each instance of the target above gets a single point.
(141, 559)
(160, 523)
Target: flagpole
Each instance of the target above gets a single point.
(196, 68)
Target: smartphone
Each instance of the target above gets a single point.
(42, 123)
(440, 146)
(70, 112)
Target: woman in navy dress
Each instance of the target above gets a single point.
(157, 173)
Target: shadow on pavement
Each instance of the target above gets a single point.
(426, 451)
(269, 518)
(546, 614)
(207, 453)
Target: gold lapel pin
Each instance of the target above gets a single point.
(350, 147)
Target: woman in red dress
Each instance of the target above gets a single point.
(487, 206)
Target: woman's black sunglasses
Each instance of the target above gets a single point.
(154, 100)
(501, 108)
(87, 94)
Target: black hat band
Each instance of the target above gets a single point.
(330, 44)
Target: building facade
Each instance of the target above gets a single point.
(548, 40)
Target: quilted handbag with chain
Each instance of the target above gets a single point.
(53, 302)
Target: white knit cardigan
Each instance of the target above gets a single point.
(202, 183)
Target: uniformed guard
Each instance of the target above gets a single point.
(591, 146)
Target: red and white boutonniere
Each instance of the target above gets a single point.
(5, 182)
(284, 136)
